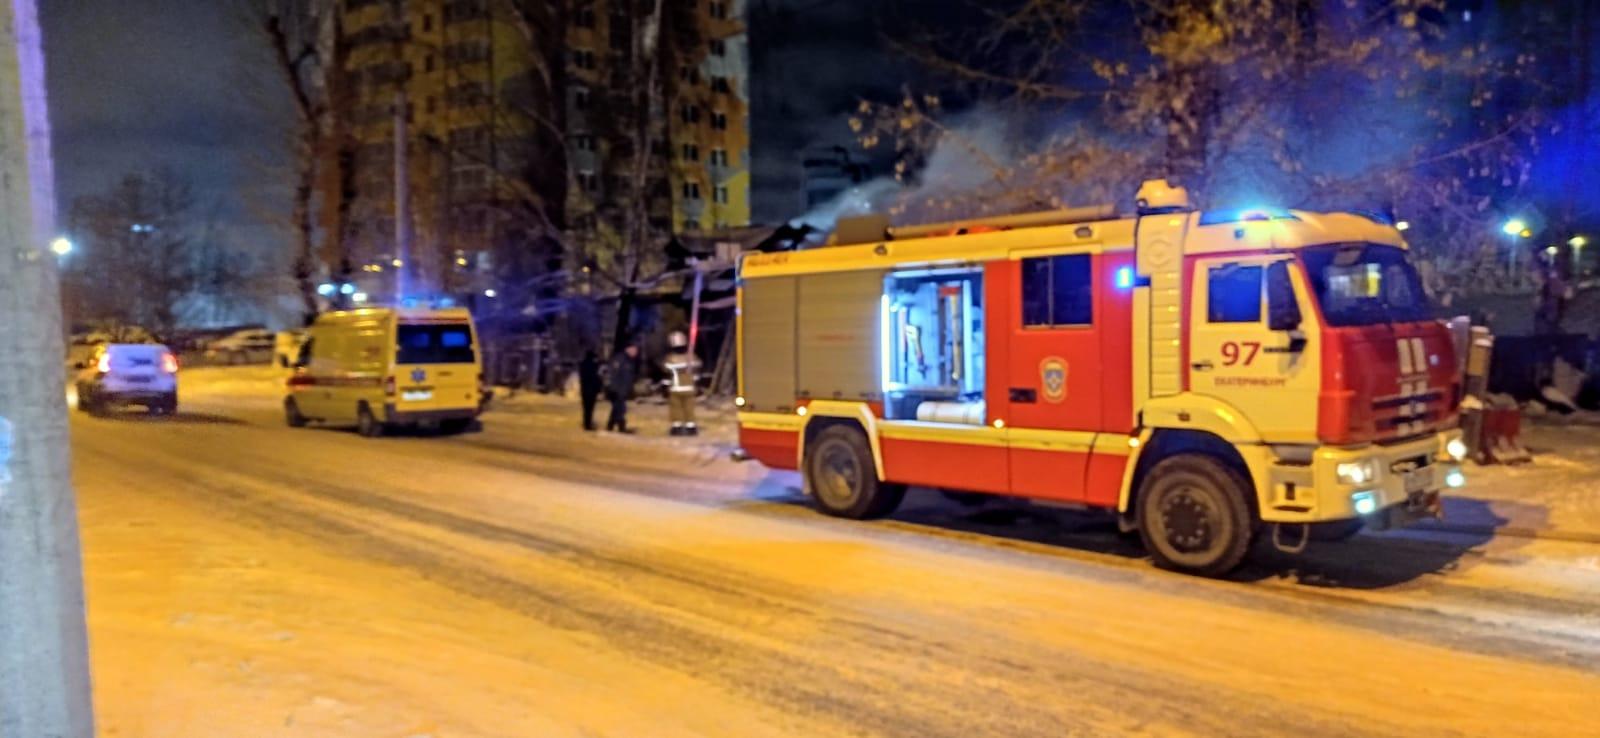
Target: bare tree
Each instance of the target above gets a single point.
(1391, 105)
(139, 259)
(44, 659)
(308, 51)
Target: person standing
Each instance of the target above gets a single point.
(590, 384)
(619, 387)
(681, 366)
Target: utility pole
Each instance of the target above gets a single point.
(44, 654)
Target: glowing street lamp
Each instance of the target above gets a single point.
(1577, 242)
(61, 246)
(1516, 227)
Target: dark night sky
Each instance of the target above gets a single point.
(138, 85)
(187, 85)
(143, 84)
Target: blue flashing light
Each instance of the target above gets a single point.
(1214, 217)
(347, 289)
(1124, 278)
(325, 289)
(1455, 479)
(1365, 503)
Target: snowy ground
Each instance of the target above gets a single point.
(245, 579)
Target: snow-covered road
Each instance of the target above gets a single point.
(245, 579)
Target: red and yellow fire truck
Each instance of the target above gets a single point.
(1205, 375)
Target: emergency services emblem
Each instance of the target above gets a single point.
(1053, 376)
(418, 375)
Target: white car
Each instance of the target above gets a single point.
(243, 346)
(121, 374)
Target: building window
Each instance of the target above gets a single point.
(468, 94)
(1057, 291)
(466, 52)
(621, 33)
(427, 22)
(583, 17)
(688, 74)
(588, 182)
(721, 194)
(719, 120)
(691, 152)
(458, 11)
(689, 114)
(583, 142)
(690, 224)
(583, 58)
(580, 98)
(719, 10)
(427, 63)
(720, 84)
(719, 47)
(1234, 294)
(691, 190)
(433, 105)
(469, 179)
(719, 157)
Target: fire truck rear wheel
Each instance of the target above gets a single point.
(1193, 515)
(843, 478)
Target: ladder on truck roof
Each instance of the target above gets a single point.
(875, 228)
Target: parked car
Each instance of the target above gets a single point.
(242, 346)
(121, 374)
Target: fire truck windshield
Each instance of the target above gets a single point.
(1365, 284)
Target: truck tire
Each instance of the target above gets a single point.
(292, 414)
(1194, 516)
(842, 478)
(366, 423)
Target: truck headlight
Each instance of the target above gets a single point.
(1456, 449)
(1365, 503)
(1357, 472)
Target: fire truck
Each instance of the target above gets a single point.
(1210, 377)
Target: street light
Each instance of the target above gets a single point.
(1577, 242)
(1515, 227)
(489, 294)
(61, 246)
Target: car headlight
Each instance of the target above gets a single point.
(1456, 449)
(1357, 472)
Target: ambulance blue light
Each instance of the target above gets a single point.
(1125, 277)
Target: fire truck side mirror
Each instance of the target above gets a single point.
(1283, 312)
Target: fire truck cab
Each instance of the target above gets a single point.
(1208, 376)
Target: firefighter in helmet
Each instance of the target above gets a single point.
(681, 366)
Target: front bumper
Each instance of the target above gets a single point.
(1410, 478)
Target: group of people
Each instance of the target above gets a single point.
(616, 378)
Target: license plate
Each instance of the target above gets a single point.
(414, 395)
(136, 380)
(1419, 480)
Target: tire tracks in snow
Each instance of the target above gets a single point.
(867, 691)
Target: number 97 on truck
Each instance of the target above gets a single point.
(1209, 377)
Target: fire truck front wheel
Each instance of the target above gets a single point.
(843, 479)
(1193, 515)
